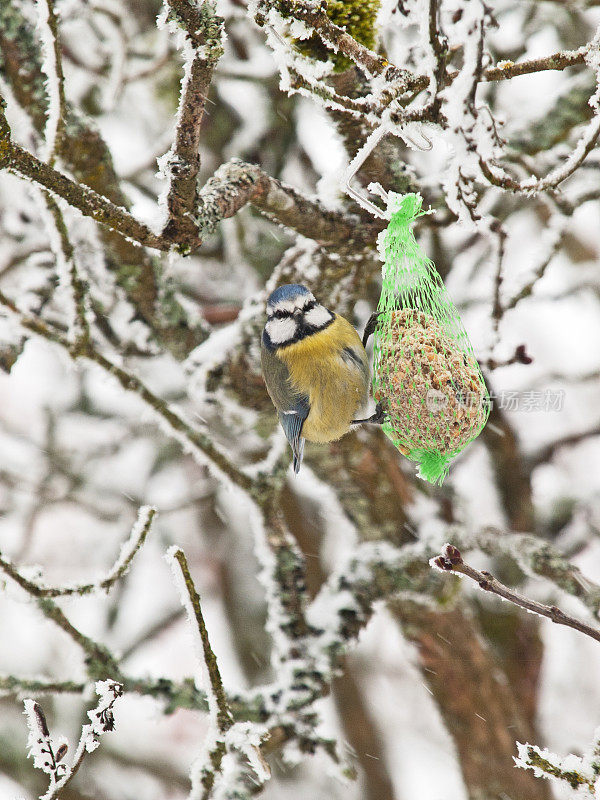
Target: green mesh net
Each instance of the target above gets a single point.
(426, 375)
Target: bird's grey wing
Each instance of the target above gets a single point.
(292, 407)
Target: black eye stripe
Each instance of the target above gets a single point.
(281, 313)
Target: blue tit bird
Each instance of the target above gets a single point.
(315, 368)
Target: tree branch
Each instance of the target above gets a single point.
(182, 431)
(222, 713)
(505, 70)
(22, 163)
(451, 560)
(236, 184)
(337, 38)
(130, 548)
(204, 32)
(545, 454)
(65, 255)
(12, 685)
(54, 138)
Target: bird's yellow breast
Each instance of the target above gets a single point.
(337, 386)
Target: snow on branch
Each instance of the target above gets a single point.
(217, 702)
(19, 161)
(233, 186)
(535, 557)
(100, 661)
(236, 183)
(497, 176)
(129, 549)
(579, 773)
(202, 46)
(345, 603)
(231, 749)
(56, 113)
(69, 278)
(468, 132)
(313, 17)
(49, 753)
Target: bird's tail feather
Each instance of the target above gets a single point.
(298, 455)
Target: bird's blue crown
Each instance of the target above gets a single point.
(289, 291)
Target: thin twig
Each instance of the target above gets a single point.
(119, 568)
(58, 134)
(223, 715)
(497, 176)
(101, 663)
(547, 453)
(205, 772)
(505, 70)
(450, 560)
(13, 685)
(81, 328)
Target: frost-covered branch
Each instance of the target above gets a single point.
(49, 754)
(100, 662)
(191, 602)
(505, 70)
(534, 556)
(199, 443)
(19, 161)
(202, 48)
(580, 774)
(590, 54)
(51, 47)
(231, 748)
(498, 177)
(233, 186)
(345, 603)
(130, 548)
(450, 560)
(236, 183)
(206, 772)
(315, 18)
(68, 272)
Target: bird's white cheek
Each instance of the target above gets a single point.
(317, 316)
(281, 330)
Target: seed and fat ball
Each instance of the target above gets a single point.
(430, 388)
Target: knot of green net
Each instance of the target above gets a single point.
(403, 209)
(404, 261)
